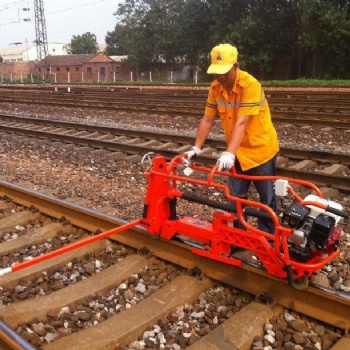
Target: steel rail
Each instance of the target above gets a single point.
(305, 107)
(339, 109)
(316, 302)
(317, 102)
(12, 340)
(193, 88)
(315, 99)
(337, 181)
(294, 153)
(334, 120)
(342, 91)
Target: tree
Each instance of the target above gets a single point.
(118, 41)
(275, 38)
(193, 32)
(324, 37)
(147, 30)
(265, 45)
(83, 44)
(1, 59)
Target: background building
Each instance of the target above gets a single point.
(96, 67)
(20, 63)
(21, 53)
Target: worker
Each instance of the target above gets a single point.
(252, 142)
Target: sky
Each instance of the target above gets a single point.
(64, 18)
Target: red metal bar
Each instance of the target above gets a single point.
(74, 245)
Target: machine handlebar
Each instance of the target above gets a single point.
(338, 212)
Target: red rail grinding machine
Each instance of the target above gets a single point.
(306, 234)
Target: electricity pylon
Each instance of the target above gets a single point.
(40, 30)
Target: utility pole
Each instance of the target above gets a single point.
(40, 32)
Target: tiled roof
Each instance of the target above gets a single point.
(68, 60)
(76, 60)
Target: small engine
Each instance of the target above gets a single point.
(314, 230)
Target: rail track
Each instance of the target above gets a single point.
(73, 292)
(120, 290)
(301, 108)
(325, 168)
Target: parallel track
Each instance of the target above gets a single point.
(297, 108)
(140, 142)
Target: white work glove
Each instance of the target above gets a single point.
(195, 151)
(226, 161)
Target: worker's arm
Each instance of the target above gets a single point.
(202, 134)
(227, 159)
(203, 130)
(238, 133)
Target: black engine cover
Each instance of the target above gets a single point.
(295, 215)
(321, 229)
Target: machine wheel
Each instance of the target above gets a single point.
(146, 161)
(195, 272)
(267, 299)
(301, 283)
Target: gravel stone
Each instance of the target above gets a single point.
(116, 186)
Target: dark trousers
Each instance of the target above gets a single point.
(265, 188)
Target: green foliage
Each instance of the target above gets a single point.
(83, 44)
(118, 41)
(190, 40)
(146, 30)
(285, 39)
(324, 35)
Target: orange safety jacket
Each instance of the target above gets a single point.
(260, 142)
